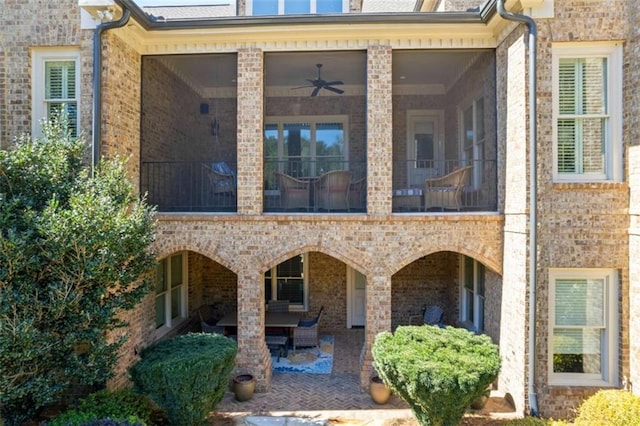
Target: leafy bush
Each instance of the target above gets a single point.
(74, 249)
(186, 375)
(437, 371)
(610, 407)
(124, 404)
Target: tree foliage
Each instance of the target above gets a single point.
(437, 371)
(74, 253)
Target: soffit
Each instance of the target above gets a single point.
(300, 37)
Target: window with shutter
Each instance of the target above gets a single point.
(587, 115)
(56, 86)
(582, 326)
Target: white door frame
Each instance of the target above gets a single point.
(351, 283)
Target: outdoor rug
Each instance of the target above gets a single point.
(307, 360)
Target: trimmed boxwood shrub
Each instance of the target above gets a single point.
(123, 406)
(612, 407)
(186, 375)
(437, 371)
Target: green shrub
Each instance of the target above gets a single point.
(610, 407)
(437, 371)
(121, 405)
(186, 375)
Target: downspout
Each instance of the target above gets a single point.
(97, 82)
(533, 191)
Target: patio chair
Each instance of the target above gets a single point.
(221, 179)
(432, 316)
(332, 190)
(446, 191)
(277, 306)
(209, 326)
(306, 333)
(294, 193)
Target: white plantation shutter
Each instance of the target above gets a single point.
(60, 90)
(582, 115)
(580, 307)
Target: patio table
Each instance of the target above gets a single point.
(271, 319)
(288, 320)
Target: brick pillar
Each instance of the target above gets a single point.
(512, 111)
(378, 319)
(250, 124)
(253, 356)
(379, 130)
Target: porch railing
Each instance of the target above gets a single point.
(204, 186)
(435, 186)
(190, 186)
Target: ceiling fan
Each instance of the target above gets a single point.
(319, 83)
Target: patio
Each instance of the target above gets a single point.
(335, 395)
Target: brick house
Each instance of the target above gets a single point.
(207, 102)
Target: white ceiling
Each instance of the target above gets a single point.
(410, 67)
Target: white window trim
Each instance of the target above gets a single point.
(312, 8)
(614, 150)
(476, 297)
(609, 376)
(305, 285)
(170, 323)
(39, 57)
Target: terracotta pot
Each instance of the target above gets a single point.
(243, 386)
(380, 393)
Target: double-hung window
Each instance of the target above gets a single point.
(587, 112)
(472, 293)
(295, 7)
(583, 327)
(288, 281)
(171, 291)
(56, 86)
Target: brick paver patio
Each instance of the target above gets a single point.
(335, 395)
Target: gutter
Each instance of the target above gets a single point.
(97, 82)
(533, 195)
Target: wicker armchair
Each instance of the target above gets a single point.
(306, 333)
(332, 190)
(294, 193)
(446, 191)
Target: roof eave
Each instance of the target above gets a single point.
(151, 23)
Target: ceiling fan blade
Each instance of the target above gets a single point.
(315, 91)
(333, 89)
(301, 87)
(333, 83)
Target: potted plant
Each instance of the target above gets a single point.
(243, 386)
(379, 391)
